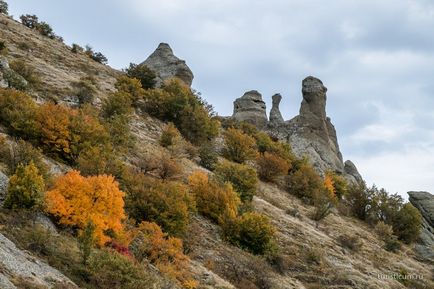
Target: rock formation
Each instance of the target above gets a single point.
(310, 133)
(424, 202)
(8, 77)
(276, 118)
(166, 65)
(251, 108)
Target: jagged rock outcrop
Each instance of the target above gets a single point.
(251, 108)
(9, 77)
(276, 118)
(311, 133)
(18, 265)
(424, 202)
(166, 65)
(351, 173)
(4, 180)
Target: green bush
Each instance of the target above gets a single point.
(141, 72)
(350, 242)
(32, 22)
(4, 7)
(76, 48)
(176, 103)
(96, 56)
(242, 177)
(208, 156)
(85, 89)
(15, 80)
(166, 203)
(131, 86)
(239, 147)
(407, 223)
(170, 136)
(254, 233)
(25, 188)
(361, 201)
(3, 48)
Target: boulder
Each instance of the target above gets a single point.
(276, 118)
(251, 108)
(4, 180)
(166, 65)
(424, 202)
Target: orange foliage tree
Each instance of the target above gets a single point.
(78, 200)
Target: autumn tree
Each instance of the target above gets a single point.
(25, 188)
(242, 177)
(76, 200)
(305, 183)
(239, 147)
(340, 185)
(131, 86)
(271, 167)
(215, 201)
(170, 136)
(141, 72)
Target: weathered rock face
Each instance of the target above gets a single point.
(424, 202)
(251, 108)
(166, 65)
(276, 118)
(351, 173)
(9, 77)
(311, 133)
(4, 180)
(16, 264)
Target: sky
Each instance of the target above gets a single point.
(376, 58)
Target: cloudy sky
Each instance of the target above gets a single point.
(375, 56)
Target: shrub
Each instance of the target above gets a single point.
(25, 188)
(117, 104)
(176, 103)
(208, 156)
(170, 136)
(14, 80)
(19, 152)
(76, 200)
(239, 147)
(131, 86)
(340, 185)
(392, 244)
(271, 166)
(213, 200)
(254, 233)
(96, 56)
(27, 72)
(99, 160)
(305, 183)
(108, 269)
(141, 72)
(3, 7)
(360, 199)
(407, 223)
(76, 48)
(166, 253)
(85, 89)
(32, 22)
(166, 203)
(17, 112)
(168, 168)
(383, 230)
(242, 177)
(350, 242)
(86, 241)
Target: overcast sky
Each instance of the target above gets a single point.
(375, 56)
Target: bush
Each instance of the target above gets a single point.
(407, 223)
(131, 86)
(32, 22)
(170, 136)
(239, 147)
(392, 244)
(96, 56)
(305, 183)
(19, 152)
(361, 201)
(27, 72)
(141, 72)
(166, 253)
(108, 269)
(383, 231)
(242, 177)
(254, 233)
(76, 48)
(213, 200)
(271, 167)
(350, 242)
(208, 156)
(176, 103)
(85, 89)
(4, 7)
(166, 203)
(25, 188)
(76, 200)
(340, 185)
(99, 160)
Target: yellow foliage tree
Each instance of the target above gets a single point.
(78, 200)
(329, 186)
(213, 200)
(239, 147)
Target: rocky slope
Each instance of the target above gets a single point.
(311, 254)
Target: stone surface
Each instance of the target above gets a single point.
(251, 108)
(9, 77)
(351, 173)
(166, 65)
(15, 263)
(424, 202)
(276, 118)
(4, 180)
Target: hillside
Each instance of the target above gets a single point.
(338, 251)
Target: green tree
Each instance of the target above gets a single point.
(86, 241)
(407, 223)
(4, 7)
(141, 72)
(25, 188)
